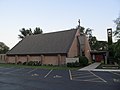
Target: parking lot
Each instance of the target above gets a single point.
(49, 79)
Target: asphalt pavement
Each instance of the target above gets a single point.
(45, 79)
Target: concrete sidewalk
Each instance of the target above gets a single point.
(91, 66)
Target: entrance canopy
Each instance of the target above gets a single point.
(98, 56)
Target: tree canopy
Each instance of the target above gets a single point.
(37, 31)
(3, 48)
(94, 43)
(26, 32)
(117, 31)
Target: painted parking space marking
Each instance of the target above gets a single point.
(90, 80)
(70, 75)
(32, 70)
(14, 70)
(38, 72)
(48, 73)
(116, 73)
(59, 75)
(86, 76)
(98, 76)
(80, 74)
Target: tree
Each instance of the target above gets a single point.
(26, 32)
(117, 49)
(37, 31)
(3, 48)
(82, 29)
(117, 31)
(88, 32)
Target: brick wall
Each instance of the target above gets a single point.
(22, 59)
(2, 58)
(54, 60)
(50, 60)
(10, 59)
(87, 50)
(34, 58)
(73, 51)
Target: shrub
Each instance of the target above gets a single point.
(34, 63)
(83, 61)
(24, 63)
(69, 65)
(73, 64)
(50, 64)
(19, 62)
(37, 63)
(30, 63)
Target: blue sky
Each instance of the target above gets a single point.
(56, 15)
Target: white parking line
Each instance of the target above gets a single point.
(84, 76)
(32, 70)
(81, 74)
(98, 76)
(89, 80)
(115, 73)
(94, 79)
(48, 73)
(70, 75)
(14, 71)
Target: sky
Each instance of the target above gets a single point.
(56, 15)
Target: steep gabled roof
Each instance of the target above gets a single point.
(49, 43)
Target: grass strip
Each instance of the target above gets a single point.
(41, 67)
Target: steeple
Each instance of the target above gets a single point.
(79, 23)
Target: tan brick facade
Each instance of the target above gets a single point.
(87, 50)
(57, 59)
(54, 60)
(10, 59)
(73, 51)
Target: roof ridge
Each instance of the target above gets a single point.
(53, 32)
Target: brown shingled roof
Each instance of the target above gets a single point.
(49, 43)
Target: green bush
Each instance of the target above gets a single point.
(30, 63)
(34, 63)
(50, 64)
(24, 63)
(37, 63)
(19, 62)
(73, 64)
(83, 61)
